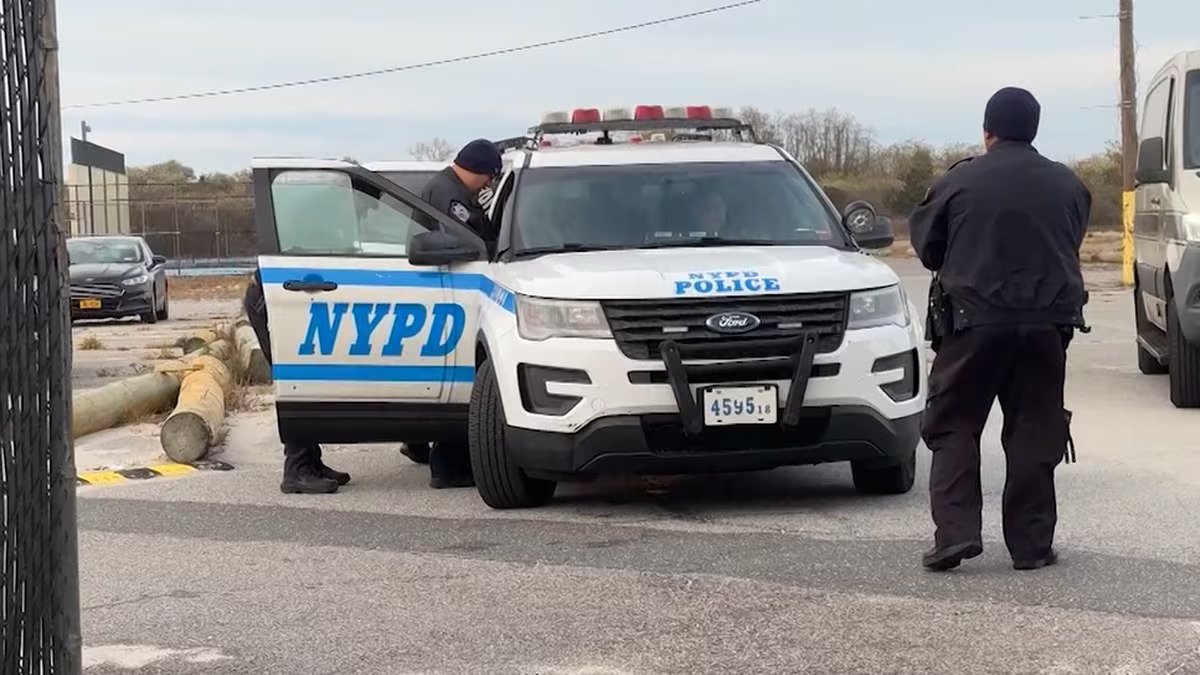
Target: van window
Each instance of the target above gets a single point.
(1191, 117)
(1154, 115)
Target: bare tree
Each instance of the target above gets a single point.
(435, 150)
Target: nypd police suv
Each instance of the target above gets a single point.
(666, 295)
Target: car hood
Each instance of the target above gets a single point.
(694, 272)
(103, 271)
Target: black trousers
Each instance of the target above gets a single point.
(1025, 367)
(296, 456)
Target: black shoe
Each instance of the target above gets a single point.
(1047, 560)
(340, 477)
(943, 559)
(417, 452)
(307, 483)
(456, 481)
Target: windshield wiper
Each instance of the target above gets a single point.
(712, 241)
(564, 248)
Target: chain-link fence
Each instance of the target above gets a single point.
(192, 224)
(39, 582)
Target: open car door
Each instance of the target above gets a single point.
(363, 341)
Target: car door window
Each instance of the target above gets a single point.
(332, 213)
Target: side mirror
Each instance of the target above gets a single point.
(1152, 157)
(867, 227)
(158, 260)
(436, 248)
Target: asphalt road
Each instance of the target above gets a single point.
(785, 571)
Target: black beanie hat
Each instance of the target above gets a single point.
(480, 156)
(1012, 114)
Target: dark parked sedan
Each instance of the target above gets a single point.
(116, 277)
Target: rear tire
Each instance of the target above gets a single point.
(889, 479)
(501, 483)
(1183, 360)
(1147, 363)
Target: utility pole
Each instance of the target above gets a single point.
(1129, 138)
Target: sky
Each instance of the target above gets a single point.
(911, 70)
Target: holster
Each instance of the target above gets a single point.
(939, 321)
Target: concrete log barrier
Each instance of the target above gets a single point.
(196, 423)
(121, 402)
(254, 363)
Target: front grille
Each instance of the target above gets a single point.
(98, 291)
(640, 326)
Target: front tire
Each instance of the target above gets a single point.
(152, 315)
(889, 479)
(501, 483)
(1183, 359)
(165, 312)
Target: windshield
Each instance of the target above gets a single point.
(103, 251)
(1191, 131)
(658, 205)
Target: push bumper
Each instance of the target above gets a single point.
(660, 444)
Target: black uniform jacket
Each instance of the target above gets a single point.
(1003, 230)
(446, 193)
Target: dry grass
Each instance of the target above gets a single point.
(209, 288)
(237, 396)
(91, 343)
(1098, 247)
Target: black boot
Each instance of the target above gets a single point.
(301, 471)
(341, 477)
(307, 481)
(450, 467)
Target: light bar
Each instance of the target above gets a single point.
(616, 115)
(699, 112)
(648, 112)
(676, 113)
(585, 115)
(723, 113)
(556, 117)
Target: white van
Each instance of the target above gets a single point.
(674, 304)
(1167, 229)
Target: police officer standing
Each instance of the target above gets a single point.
(303, 470)
(455, 190)
(1002, 234)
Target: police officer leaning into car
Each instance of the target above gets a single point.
(1002, 233)
(455, 191)
(303, 470)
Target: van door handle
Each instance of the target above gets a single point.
(1155, 201)
(309, 286)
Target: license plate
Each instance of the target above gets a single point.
(89, 304)
(756, 404)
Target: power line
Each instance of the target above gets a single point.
(419, 66)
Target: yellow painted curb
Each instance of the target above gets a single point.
(112, 477)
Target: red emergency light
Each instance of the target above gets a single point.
(585, 115)
(699, 112)
(648, 112)
(635, 139)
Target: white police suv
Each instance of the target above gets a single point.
(666, 296)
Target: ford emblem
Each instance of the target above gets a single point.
(732, 322)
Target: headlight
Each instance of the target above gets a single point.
(136, 281)
(1191, 227)
(880, 307)
(539, 319)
